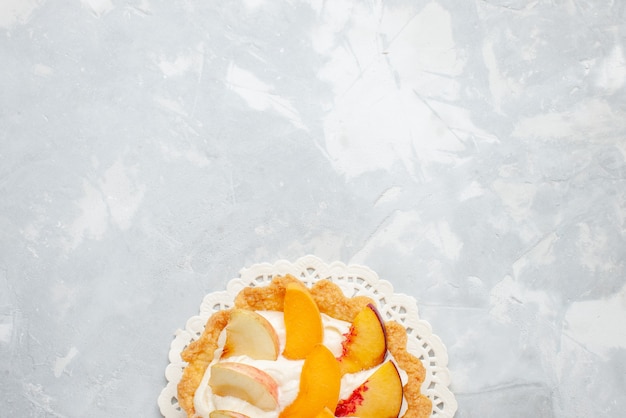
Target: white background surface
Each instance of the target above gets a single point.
(472, 153)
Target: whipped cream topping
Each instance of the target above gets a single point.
(285, 372)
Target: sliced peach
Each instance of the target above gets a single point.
(226, 414)
(325, 413)
(303, 322)
(320, 382)
(365, 344)
(249, 333)
(244, 382)
(380, 396)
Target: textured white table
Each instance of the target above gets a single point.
(471, 152)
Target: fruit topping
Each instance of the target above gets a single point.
(303, 322)
(319, 385)
(365, 344)
(245, 382)
(325, 413)
(226, 414)
(249, 333)
(380, 396)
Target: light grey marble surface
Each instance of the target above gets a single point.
(471, 152)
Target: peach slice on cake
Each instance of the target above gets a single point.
(245, 382)
(365, 344)
(303, 322)
(226, 414)
(380, 396)
(249, 333)
(325, 413)
(320, 382)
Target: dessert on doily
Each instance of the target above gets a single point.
(291, 346)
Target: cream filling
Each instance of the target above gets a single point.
(285, 372)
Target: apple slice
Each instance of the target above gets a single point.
(303, 322)
(226, 414)
(320, 382)
(249, 333)
(380, 396)
(244, 382)
(365, 344)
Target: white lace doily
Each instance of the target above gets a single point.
(353, 280)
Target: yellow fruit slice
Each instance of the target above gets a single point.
(365, 345)
(325, 413)
(319, 385)
(380, 396)
(303, 322)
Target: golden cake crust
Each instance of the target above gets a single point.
(331, 301)
(198, 355)
(419, 404)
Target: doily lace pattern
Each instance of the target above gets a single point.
(353, 280)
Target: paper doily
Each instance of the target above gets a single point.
(353, 280)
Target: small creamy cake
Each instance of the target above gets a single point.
(286, 350)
